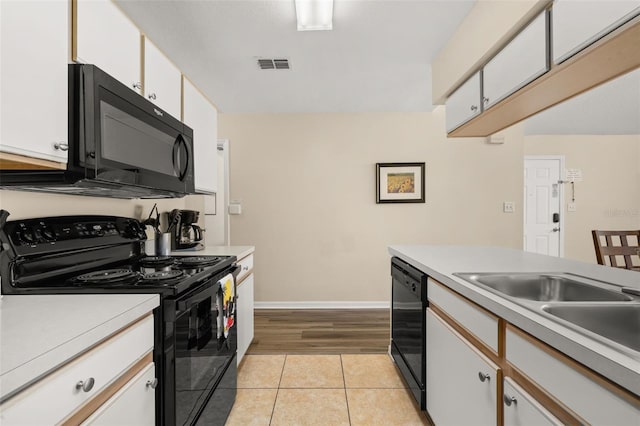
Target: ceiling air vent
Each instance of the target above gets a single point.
(270, 64)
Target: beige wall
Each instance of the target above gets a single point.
(609, 195)
(22, 204)
(306, 183)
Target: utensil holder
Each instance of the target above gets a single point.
(163, 244)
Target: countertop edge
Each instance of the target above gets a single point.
(237, 251)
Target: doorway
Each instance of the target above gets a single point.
(543, 201)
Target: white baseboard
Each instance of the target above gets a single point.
(321, 305)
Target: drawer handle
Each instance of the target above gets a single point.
(483, 376)
(152, 96)
(86, 385)
(245, 268)
(152, 383)
(508, 400)
(136, 85)
(61, 146)
(474, 108)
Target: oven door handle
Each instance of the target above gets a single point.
(209, 291)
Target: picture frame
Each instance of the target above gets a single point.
(400, 183)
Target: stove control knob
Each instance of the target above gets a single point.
(48, 234)
(132, 230)
(26, 236)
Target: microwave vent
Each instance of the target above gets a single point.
(271, 64)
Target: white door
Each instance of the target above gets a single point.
(542, 201)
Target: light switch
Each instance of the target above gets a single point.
(235, 208)
(571, 207)
(509, 207)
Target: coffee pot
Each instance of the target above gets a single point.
(185, 234)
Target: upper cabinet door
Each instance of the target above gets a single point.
(577, 24)
(202, 117)
(34, 42)
(107, 38)
(520, 62)
(464, 103)
(161, 80)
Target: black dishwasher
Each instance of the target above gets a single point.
(408, 325)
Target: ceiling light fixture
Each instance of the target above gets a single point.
(314, 15)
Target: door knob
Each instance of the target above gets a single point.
(556, 229)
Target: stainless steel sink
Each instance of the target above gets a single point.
(545, 287)
(620, 323)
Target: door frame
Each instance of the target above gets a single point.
(560, 196)
(223, 145)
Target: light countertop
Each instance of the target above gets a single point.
(237, 251)
(39, 333)
(440, 262)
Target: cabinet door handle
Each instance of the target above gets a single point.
(508, 400)
(485, 100)
(152, 383)
(483, 376)
(86, 385)
(474, 107)
(136, 85)
(245, 268)
(61, 146)
(152, 96)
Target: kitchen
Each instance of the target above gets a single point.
(467, 182)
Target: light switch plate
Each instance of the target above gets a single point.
(571, 207)
(509, 207)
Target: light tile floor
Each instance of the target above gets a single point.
(322, 390)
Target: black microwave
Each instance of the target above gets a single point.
(120, 145)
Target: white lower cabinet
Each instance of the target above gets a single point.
(133, 404)
(244, 314)
(587, 398)
(520, 409)
(62, 393)
(461, 382)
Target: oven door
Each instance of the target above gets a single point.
(202, 353)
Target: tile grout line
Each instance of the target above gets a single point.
(277, 390)
(344, 382)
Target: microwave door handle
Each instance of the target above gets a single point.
(183, 173)
(174, 155)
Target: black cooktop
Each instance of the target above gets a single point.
(94, 254)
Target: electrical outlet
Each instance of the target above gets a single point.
(509, 207)
(571, 207)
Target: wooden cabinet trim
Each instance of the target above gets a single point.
(10, 161)
(460, 329)
(82, 413)
(247, 275)
(611, 56)
(571, 363)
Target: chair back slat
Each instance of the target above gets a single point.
(627, 249)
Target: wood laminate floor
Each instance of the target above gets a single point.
(320, 331)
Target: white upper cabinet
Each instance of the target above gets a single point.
(520, 62)
(464, 103)
(577, 24)
(107, 38)
(202, 117)
(161, 80)
(34, 40)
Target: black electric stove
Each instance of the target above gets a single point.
(195, 366)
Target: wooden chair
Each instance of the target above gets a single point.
(629, 250)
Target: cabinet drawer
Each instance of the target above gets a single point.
(579, 392)
(133, 404)
(480, 323)
(246, 266)
(56, 396)
(520, 408)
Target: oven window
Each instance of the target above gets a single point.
(200, 357)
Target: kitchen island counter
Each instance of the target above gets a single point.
(39, 333)
(441, 262)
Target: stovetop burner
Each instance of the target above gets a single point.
(160, 276)
(107, 276)
(193, 261)
(157, 261)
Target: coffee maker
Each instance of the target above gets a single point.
(185, 234)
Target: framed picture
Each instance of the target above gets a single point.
(399, 183)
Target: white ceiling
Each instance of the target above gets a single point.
(377, 58)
